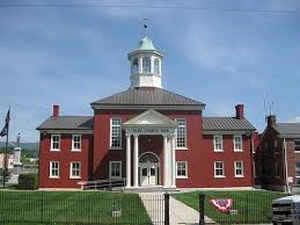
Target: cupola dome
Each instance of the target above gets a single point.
(145, 62)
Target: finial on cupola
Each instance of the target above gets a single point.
(145, 26)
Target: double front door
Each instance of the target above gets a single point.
(148, 173)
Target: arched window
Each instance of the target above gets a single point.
(135, 66)
(146, 64)
(156, 66)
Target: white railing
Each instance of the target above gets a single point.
(104, 184)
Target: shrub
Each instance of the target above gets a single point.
(28, 181)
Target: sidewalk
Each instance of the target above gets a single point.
(184, 215)
(180, 214)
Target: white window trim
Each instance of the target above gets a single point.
(75, 149)
(218, 150)
(219, 176)
(235, 168)
(59, 143)
(186, 135)
(235, 149)
(297, 152)
(110, 169)
(187, 169)
(50, 170)
(110, 139)
(71, 168)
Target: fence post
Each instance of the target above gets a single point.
(167, 209)
(201, 209)
(42, 207)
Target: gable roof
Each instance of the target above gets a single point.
(151, 118)
(67, 123)
(148, 97)
(288, 129)
(226, 124)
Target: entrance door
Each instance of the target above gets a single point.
(148, 174)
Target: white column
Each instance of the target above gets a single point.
(136, 161)
(166, 174)
(173, 158)
(128, 160)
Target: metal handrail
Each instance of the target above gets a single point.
(102, 184)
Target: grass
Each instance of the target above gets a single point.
(251, 206)
(40, 208)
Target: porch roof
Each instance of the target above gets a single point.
(150, 118)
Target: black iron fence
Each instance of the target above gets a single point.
(74, 208)
(246, 207)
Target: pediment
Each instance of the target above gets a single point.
(150, 118)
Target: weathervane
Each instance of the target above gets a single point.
(145, 26)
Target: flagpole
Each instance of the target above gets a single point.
(6, 148)
(5, 157)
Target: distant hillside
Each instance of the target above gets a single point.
(33, 146)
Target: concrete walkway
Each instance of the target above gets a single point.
(180, 214)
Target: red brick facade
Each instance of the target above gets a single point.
(96, 154)
(270, 159)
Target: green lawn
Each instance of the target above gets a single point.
(251, 206)
(36, 208)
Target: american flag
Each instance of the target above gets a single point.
(4, 131)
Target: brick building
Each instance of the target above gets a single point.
(278, 155)
(147, 135)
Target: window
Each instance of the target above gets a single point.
(297, 172)
(146, 64)
(75, 171)
(238, 143)
(115, 169)
(156, 66)
(181, 169)
(218, 143)
(76, 142)
(115, 133)
(55, 142)
(277, 169)
(238, 169)
(54, 169)
(181, 134)
(135, 66)
(297, 145)
(219, 169)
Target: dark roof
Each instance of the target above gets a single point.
(288, 129)
(147, 96)
(226, 123)
(67, 123)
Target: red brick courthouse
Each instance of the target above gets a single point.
(147, 135)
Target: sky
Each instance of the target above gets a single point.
(221, 52)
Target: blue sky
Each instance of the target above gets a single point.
(75, 55)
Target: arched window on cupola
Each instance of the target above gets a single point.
(156, 66)
(146, 64)
(135, 66)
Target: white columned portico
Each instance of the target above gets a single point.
(128, 160)
(173, 160)
(166, 161)
(136, 161)
(151, 122)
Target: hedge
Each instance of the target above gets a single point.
(28, 181)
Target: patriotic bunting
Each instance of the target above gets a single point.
(223, 205)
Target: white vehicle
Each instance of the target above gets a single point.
(286, 210)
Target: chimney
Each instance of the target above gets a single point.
(271, 120)
(55, 111)
(239, 109)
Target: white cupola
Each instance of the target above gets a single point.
(145, 62)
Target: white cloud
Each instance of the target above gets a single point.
(294, 120)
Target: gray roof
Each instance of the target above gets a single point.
(67, 123)
(226, 123)
(147, 96)
(288, 129)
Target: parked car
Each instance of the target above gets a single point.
(286, 210)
